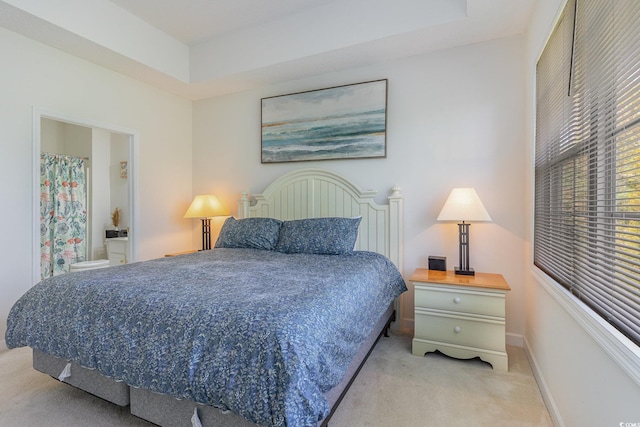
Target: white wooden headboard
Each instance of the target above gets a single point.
(314, 193)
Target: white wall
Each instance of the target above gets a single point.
(35, 75)
(100, 191)
(455, 118)
(65, 138)
(582, 384)
(119, 185)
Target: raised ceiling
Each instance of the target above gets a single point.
(194, 21)
(203, 48)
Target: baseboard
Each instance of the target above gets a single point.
(514, 340)
(554, 413)
(406, 326)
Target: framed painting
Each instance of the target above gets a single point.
(342, 122)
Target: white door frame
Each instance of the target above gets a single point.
(134, 142)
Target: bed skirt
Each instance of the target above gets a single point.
(168, 411)
(86, 379)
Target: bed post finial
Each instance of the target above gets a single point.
(395, 191)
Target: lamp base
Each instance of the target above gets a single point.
(206, 234)
(461, 272)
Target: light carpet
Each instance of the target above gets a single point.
(394, 388)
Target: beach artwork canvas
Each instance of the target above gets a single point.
(343, 122)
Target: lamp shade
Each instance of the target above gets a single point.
(205, 206)
(463, 204)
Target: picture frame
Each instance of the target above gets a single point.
(340, 122)
(123, 169)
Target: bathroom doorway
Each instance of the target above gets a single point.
(107, 153)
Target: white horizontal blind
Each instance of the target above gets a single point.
(587, 171)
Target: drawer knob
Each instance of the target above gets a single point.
(456, 300)
(457, 329)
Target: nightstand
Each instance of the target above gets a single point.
(461, 316)
(181, 253)
(117, 250)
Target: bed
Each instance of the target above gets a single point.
(269, 328)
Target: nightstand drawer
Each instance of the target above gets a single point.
(458, 330)
(117, 259)
(462, 301)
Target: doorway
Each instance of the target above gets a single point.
(109, 153)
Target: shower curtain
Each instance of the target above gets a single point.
(63, 213)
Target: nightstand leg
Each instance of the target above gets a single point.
(498, 360)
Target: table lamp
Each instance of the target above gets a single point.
(205, 207)
(463, 205)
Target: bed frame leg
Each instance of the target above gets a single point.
(385, 331)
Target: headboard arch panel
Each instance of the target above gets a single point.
(315, 193)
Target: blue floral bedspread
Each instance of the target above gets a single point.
(261, 333)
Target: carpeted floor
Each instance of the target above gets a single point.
(394, 388)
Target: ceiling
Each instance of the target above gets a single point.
(193, 21)
(204, 48)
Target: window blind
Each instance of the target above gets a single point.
(587, 159)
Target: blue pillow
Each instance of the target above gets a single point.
(255, 233)
(330, 236)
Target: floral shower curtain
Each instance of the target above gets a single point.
(63, 213)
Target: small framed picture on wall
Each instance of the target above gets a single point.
(123, 169)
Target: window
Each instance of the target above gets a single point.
(587, 161)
